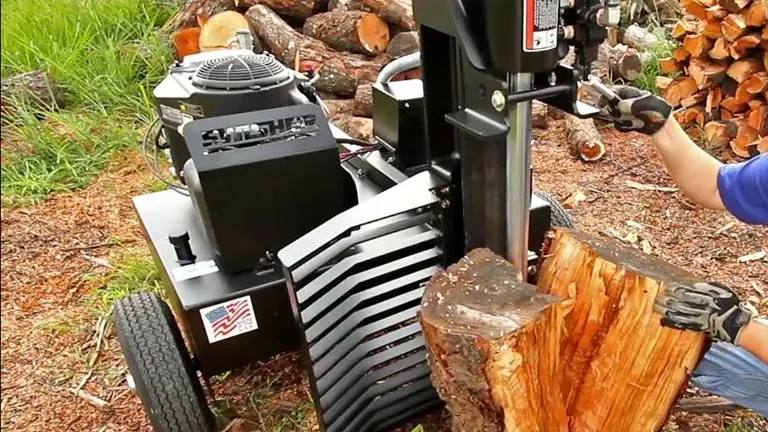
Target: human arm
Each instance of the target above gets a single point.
(716, 310)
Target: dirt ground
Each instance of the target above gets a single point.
(54, 252)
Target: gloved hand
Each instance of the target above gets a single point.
(705, 307)
(640, 110)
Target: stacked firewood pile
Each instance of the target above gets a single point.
(346, 42)
(718, 75)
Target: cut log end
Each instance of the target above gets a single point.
(584, 138)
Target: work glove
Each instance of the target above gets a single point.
(638, 110)
(705, 307)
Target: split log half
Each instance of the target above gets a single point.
(716, 12)
(734, 27)
(695, 99)
(741, 70)
(186, 42)
(353, 31)
(706, 73)
(757, 14)
(623, 371)
(680, 54)
(301, 9)
(721, 49)
(494, 346)
(742, 46)
(679, 89)
(584, 138)
(714, 98)
(755, 104)
(682, 28)
(663, 82)
(743, 96)
(698, 45)
(695, 8)
(757, 83)
(734, 6)
(745, 136)
(669, 65)
(711, 29)
(758, 119)
(732, 105)
(716, 134)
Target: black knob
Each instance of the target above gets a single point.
(182, 247)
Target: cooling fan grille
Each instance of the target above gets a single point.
(239, 72)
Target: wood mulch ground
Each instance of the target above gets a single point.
(50, 337)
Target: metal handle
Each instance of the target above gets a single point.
(466, 36)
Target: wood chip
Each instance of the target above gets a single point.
(646, 245)
(91, 399)
(756, 287)
(647, 187)
(634, 224)
(725, 228)
(574, 199)
(752, 257)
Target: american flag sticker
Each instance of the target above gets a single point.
(226, 320)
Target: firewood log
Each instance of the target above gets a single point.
(663, 82)
(734, 6)
(698, 45)
(618, 61)
(732, 105)
(695, 99)
(758, 119)
(757, 14)
(755, 104)
(714, 98)
(741, 46)
(734, 26)
(276, 35)
(682, 28)
(712, 29)
(353, 31)
(716, 12)
(404, 43)
(760, 145)
(340, 73)
(360, 106)
(506, 359)
(680, 54)
(695, 8)
(357, 127)
(741, 70)
(639, 38)
(669, 65)
(716, 133)
(584, 138)
(679, 89)
(746, 135)
(301, 9)
(220, 28)
(721, 49)
(742, 95)
(196, 12)
(186, 41)
(757, 83)
(393, 12)
(706, 73)
(35, 88)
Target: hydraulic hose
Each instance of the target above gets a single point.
(398, 66)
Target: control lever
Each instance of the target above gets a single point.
(606, 92)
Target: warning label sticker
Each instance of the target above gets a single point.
(229, 319)
(170, 113)
(540, 29)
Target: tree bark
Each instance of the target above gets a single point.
(35, 88)
(622, 371)
(396, 13)
(404, 43)
(356, 127)
(360, 106)
(639, 38)
(301, 9)
(617, 61)
(276, 35)
(352, 31)
(493, 345)
(196, 12)
(340, 73)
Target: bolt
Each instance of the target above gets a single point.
(498, 100)
(532, 270)
(360, 173)
(552, 79)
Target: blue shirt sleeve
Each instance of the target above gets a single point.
(744, 189)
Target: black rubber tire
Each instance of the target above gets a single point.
(561, 218)
(165, 377)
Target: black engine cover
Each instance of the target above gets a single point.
(260, 180)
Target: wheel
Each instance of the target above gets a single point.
(162, 370)
(561, 218)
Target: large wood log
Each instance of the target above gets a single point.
(222, 27)
(619, 61)
(679, 89)
(196, 12)
(301, 9)
(397, 13)
(494, 344)
(361, 105)
(276, 35)
(507, 360)
(340, 73)
(706, 73)
(741, 70)
(623, 371)
(353, 31)
(36, 89)
(640, 38)
(404, 43)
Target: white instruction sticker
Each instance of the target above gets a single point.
(540, 28)
(171, 114)
(192, 271)
(229, 319)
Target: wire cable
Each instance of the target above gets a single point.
(154, 165)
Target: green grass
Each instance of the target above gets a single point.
(106, 55)
(663, 48)
(134, 272)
